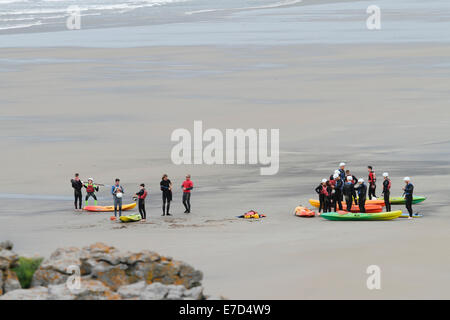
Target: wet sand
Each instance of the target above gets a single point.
(109, 113)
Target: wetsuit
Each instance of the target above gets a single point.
(349, 189)
(77, 186)
(323, 195)
(117, 201)
(142, 194)
(338, 195)
(372, 185)
(331, 203)
(166, 195)
(90, 192)
(362, 194)
(188, 185)
(409, 190)
(387, 194)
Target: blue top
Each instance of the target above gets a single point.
(114, 188)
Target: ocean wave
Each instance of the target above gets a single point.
(267, 6)
(21, 26)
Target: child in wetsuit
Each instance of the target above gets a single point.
(141, 195)
(91, 188)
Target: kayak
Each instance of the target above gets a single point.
(125, 207)
(316, 203)
(415, 215)
(131, 218)
(401, 200)
(370, 208)
(304, 212)
(351, 216)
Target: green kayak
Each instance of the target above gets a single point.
(351, 216)
(401, 200)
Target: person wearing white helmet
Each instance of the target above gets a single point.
(91, 188)
(348, 190)
(387, 191)
(408, 194)
(338, 185)
(322, 191)
(117, 192)
(361, 188)
(355, 181)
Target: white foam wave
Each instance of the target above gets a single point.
(268, 6)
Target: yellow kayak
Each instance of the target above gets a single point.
(125, 207)
(131, 218)
(316, 203)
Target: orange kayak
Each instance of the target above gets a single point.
(316, 203)
(125, 207)
(304, 212)
(370, 208)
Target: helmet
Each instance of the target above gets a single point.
(385, 174)
(91, 179)
(407, 179)
(335, 176)
(342, 164)
(349, 178)
(119, 195)
(361, 180)
(324, 180)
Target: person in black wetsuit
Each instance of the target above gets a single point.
(361, 188)
(355, 181)
(372, 183)
(348, 190)
(409, 191)
(339, 184)
(77, 186)
(141, 195)
(166, 188)
(387, 191)
(322, 191)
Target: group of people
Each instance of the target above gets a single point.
(342, 185)
(117, 192)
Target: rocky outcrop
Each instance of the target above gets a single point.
(106, 273)
(8, 260)
(115, 268)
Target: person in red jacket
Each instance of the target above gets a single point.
(187, 186)
(322, 191)
(141, 195)
(372, 183)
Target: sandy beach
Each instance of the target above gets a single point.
(110, 112)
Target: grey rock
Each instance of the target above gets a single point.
(37, 293)
(8, 259)
(10, 281)
(7, 245)
(154, 291)
(132, 291)
(195, 293)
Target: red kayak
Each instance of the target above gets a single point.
(370, 208)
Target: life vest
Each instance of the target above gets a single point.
(90, 188)
(372, 177)
(324, 191)
(144, 195)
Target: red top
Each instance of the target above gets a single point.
(372, 177)
(187, 184)
(144, 195)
